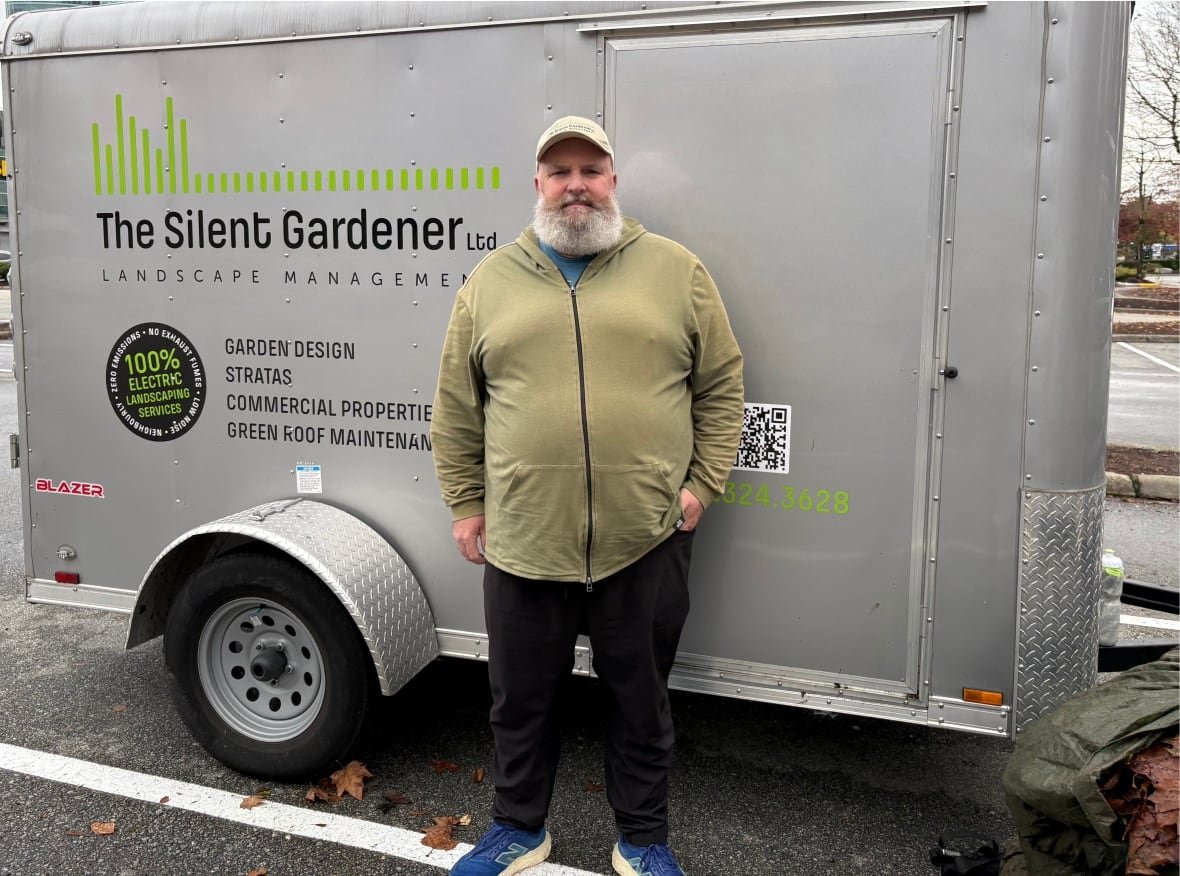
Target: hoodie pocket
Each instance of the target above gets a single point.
(540, 522)
(634, 505)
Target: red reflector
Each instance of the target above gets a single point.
(67, 577)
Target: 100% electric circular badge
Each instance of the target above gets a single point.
(156, 382)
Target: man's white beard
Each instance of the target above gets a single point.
(582, 232)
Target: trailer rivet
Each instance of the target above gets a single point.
(1032, 422)
(415, 346)
(549, 106)
(281, 120)
(1046, 139)
(1054, 21)
(929, 620)
(286, 300)
(1050, 80)
(932, 559)
(938, 435)
(942, 720)
(280, 75)
(1044, 197)
(550, 57)
(1028, 477)
(415, 477)
(952, 176)
(942, 705)
(411, 115)
(415, 392)
(1036, 313)
(954, 109)
(177, 501)
(163, 81)
(1040, 255)
(283, 164)
(936, 498)
(1036, 368)
(411, 66)
(960, 39)
(948, 240)
(413, 162)
(176, 462)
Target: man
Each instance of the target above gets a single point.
(588, 410)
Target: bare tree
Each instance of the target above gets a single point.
(1151, 141)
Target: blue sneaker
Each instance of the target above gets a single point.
(505, 850)
(653, 860)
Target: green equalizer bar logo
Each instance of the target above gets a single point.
(130, 166)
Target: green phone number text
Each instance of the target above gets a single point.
(785, 498)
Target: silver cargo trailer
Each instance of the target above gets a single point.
(239, 229)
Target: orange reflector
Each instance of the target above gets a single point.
(984, 697)
(67, 577)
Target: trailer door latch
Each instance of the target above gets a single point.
(14, 450)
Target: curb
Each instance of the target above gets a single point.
(1145, 339)
(1141, 486)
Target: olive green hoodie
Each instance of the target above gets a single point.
(572, 419)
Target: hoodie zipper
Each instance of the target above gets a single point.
(585, 435)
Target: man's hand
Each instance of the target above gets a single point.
(471, 536)
(692, 509)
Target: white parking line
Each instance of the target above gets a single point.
(312, 823)
(1156, 622)
(1154, 359)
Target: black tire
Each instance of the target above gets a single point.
(246, 613)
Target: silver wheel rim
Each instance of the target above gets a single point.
(267, 711)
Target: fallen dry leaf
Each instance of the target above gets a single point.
(396, 797)
(102, 828)
(351, 779)
(594, 788)
(444, 766)
(463, 821)
(258, 871)
(165, 799)
(316, 794)
(121, 707)
(251, 801)
(440, 836)
(478, 775)
(1152, 835)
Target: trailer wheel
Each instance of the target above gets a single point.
(269, 671)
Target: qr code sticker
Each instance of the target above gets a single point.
(766, 439)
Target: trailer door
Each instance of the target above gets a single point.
(806, 166)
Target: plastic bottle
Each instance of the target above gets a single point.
(1110, 597)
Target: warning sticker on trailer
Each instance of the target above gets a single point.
(155, 381)
(308, 479)
(766, 439)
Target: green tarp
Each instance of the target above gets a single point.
(1052, 781)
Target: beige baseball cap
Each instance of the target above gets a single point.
(574, 126)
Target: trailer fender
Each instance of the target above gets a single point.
(353, 561)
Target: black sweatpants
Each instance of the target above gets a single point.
(634, 618)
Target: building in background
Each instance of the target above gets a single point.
(12, 7)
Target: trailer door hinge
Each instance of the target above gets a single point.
(14, 449)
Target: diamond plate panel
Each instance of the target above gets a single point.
(1061, 549)
(351, 558)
